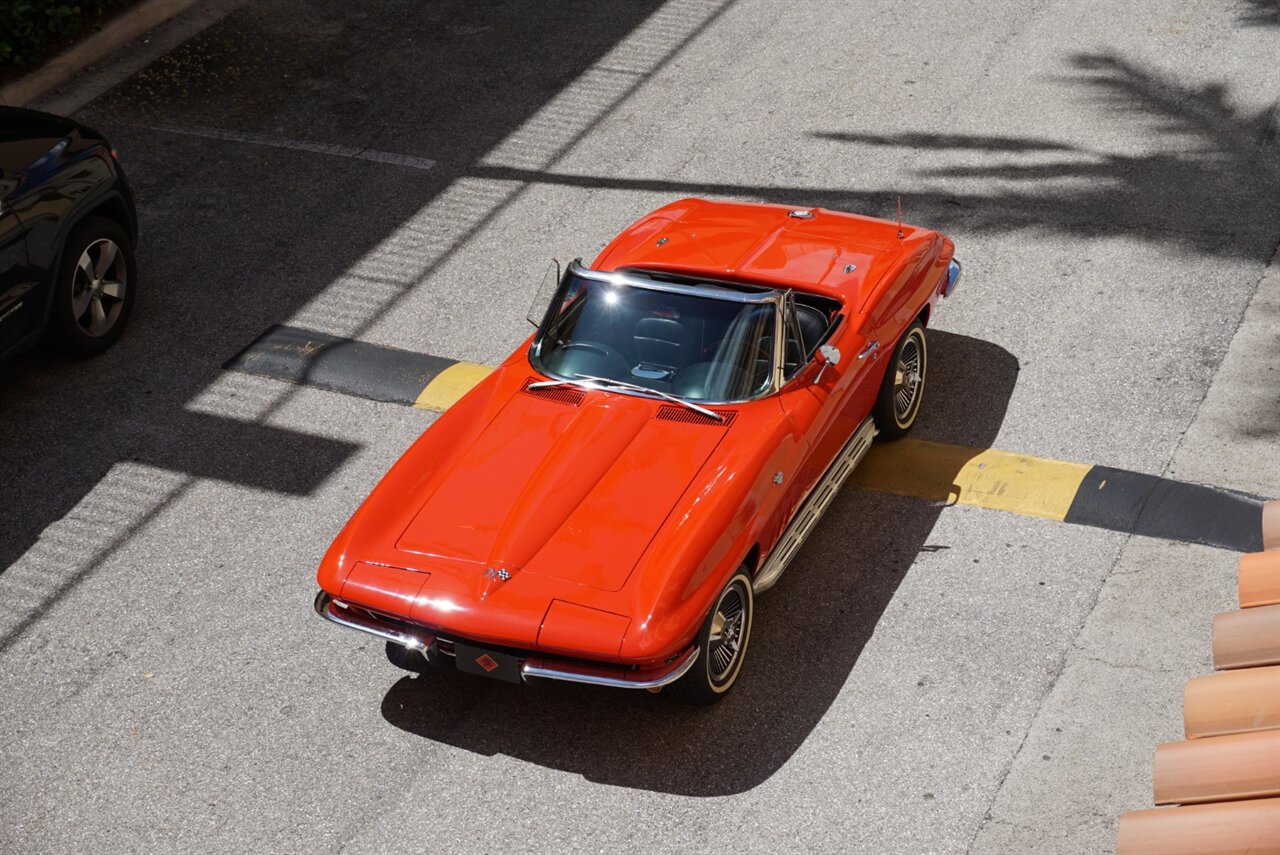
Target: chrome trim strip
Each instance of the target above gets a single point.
(327, 607)
(953, 278)
(604, 384)
(708, 290)
(778, 374)
(611, 676)
(651, 394)
(814, 506)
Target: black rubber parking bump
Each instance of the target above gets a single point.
(339, 364)
(1132, 502)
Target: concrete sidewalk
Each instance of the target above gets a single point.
(1087, 756)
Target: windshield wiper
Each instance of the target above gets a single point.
(623, 384)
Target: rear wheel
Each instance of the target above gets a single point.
(722, 645)
(903, 387)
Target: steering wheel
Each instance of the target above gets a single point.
(604, 350)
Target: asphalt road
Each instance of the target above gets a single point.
(401, 173)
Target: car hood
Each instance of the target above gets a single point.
(562, 483)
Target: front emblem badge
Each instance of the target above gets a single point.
(486, 662)
(777, 477)
(492, 578)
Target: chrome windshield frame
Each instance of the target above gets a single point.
(635, 278)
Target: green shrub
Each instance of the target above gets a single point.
(29, 28)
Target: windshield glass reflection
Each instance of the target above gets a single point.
(695, 347)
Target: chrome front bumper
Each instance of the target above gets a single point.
(533, 665)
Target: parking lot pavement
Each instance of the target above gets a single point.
(1108, 174)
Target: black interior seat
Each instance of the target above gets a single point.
(660, 342)
(791, 356)
(693, 381)
(813, 326)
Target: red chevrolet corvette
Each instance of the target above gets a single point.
(604, 507)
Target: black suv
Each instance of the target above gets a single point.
(68, 229)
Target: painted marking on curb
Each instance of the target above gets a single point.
(1098, 496)
(984, 477)
(450, 385)
(421, 163)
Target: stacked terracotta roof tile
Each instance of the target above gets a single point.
(1225, 778)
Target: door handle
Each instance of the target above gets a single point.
(869, 349)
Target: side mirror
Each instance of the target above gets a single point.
(827, 355)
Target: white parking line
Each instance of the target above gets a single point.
(405, 160)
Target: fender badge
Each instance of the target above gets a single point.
(777, 477)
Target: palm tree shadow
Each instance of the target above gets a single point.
(1207, 185)
(1204, 186)
(808, 634)
(1262, 13)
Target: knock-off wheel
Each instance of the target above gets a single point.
(722, 645)
(902, 390)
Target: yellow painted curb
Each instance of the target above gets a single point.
(451, 384)
(956, 474)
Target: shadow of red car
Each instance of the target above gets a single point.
(809, 632)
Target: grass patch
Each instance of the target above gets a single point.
(32, 31)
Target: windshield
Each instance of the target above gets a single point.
(701, 348)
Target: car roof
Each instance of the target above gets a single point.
(811, 249)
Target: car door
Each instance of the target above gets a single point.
(827, 400)
(18, 313)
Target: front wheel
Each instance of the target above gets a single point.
(94, 288)
(903, 387)
(722, 645)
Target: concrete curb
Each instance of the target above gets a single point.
(118, 32)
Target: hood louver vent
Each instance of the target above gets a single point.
(560, 394)
(671, 413)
